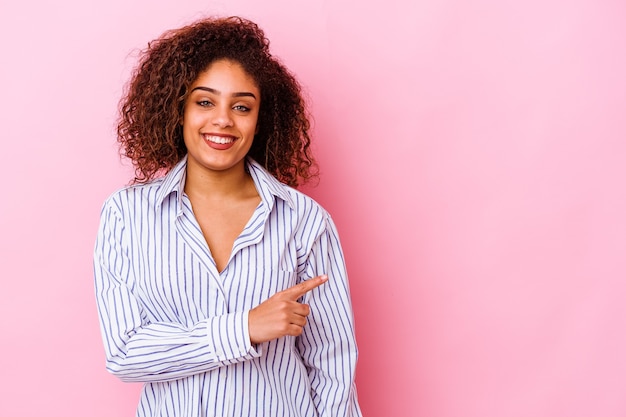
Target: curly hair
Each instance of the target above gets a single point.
(149, 130)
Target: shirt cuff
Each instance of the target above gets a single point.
(229, 338)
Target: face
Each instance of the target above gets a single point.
(220, 118)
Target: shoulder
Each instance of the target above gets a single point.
(295, 207)
(270, 188)
(301, 202)
(133, 197)
(151, 194)
(312, 217)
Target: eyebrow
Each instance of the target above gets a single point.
(214, 91)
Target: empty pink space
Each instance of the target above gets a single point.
(472, 156)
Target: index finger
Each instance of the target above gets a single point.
(299, 290)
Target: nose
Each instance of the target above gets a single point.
(222, 117)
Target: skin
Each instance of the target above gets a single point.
(223, 106)
(281, 315)
(223, 103)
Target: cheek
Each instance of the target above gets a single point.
(251, 128)
(253, 125)
(187, 128)
(191, 121)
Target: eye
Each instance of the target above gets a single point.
(204, 103)
(242, 108)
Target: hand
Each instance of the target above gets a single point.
(281, 315)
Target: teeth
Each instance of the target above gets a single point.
(218, 139)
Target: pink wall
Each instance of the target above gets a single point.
(473, 157)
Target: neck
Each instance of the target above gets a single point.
(208, 184)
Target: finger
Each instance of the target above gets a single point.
(294, 330)
(299, 290)
(301, 310)
(298, 320)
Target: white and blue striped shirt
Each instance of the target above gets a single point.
(169, 319)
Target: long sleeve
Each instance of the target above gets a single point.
(328, 345)
(138, 349)
(171, 319)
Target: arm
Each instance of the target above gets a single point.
(140, 350)
(327, 344)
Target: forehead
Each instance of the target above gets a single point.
(226, 76)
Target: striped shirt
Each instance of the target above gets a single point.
(169, 319)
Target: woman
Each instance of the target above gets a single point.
(218, 285)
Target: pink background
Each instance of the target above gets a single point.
(473, 156)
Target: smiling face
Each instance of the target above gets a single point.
(220, 118)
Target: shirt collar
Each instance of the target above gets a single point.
(267, 185)
(174, 181)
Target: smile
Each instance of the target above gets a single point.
(221, 140)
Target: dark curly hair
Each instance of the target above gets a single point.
(149, 131)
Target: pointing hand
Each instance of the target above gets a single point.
(281, 314)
